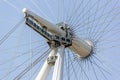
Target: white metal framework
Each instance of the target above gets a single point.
(59, 37)
(84, 33)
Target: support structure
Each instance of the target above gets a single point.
(58, 68)
(56, 59)
(49, 62)
(59, 36)
(44, 72)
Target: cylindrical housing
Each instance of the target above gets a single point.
(80, 47)
(50, 27)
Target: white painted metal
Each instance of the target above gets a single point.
(80, 47)
(44, 71)
(46, 67)
(58, 68)
(50, 27)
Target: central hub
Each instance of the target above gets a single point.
(82, 48)
(59, 34)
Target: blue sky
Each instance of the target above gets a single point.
(90, 19)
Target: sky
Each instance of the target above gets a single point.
(95, 20)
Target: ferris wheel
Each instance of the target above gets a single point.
(60, 40)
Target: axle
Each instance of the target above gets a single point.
(58, 33)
